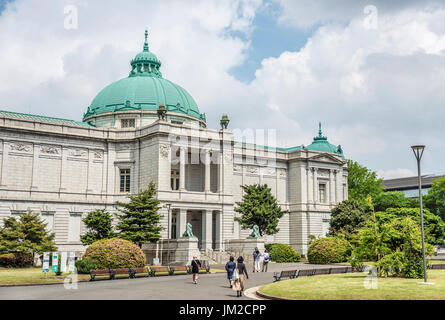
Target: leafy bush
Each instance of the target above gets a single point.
(280, 252)
(329, 250)
(84, 265)
(16, 260)
(115, 253)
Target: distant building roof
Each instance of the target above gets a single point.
(409, 182)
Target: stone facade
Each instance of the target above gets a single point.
(63, 171)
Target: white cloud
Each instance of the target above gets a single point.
(395, 173)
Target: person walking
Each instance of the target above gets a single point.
(256, 260)
(266, 257)
(195, 269)
(230, 267)
(238, 276)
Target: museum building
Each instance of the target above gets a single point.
(145, 128)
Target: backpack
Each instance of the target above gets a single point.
(235, 273)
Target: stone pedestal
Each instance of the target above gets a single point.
(245, 247)
(174, 251)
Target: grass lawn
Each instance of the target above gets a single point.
(31, 276)
(350, 286)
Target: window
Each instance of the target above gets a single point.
(128, 123)
(322, 192)
(74, 226)
(174, 180)
(173, 228)
(124, 180)
(48, 218)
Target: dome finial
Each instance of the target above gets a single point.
(319, 129)
(146, 41)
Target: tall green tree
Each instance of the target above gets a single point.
(393, 199)
(347, 218)
(362, 182)
(259, 207)
(139, 218)
(26, 234)
(434, 200)
(99, 226)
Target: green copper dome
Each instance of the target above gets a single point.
(144, 89)
(321, 143)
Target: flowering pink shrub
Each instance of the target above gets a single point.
(115, 253)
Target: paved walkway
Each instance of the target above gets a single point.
(209, 287)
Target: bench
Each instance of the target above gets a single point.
(291, 274)
(437, 266)
(322, 271)
(204, 268)
(120, 273)
(179, 269)
(306, 272)
(338, 270)
(159, 269)
(143, 272)
(100, 273)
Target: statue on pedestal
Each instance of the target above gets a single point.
(188, 231)
(255, 233)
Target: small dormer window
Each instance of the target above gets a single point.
(128, 123)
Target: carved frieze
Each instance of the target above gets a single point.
(237, 168)
(164, 150)
(53, 150)
(20, 147)
(98, 155)
(78, 153)
(252, 170)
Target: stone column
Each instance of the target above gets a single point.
(218, 230)
(207, 171)
(315, 184)
(337, 187)
(310, 193)
(5, 161)
(181, 221)
(207, 230)
(35, 166)
(331, 187)
(182, 152)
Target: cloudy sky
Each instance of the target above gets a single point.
(374, 76)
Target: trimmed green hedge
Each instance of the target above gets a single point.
(83, 266)
(329, 250)
(280, 252)
(16, 260)
(115, 253)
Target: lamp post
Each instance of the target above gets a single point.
(418, 152)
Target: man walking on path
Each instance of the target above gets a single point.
(265, 260)
(256, 260)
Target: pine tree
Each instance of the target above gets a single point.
(139, 221)
(99, 225)
(27, 234)
(259, 207)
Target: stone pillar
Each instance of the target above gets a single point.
(337, 187)
(5, 157)
(310, 198)
(182, 152)
(218, 230)
(181, 221)
(207, 171)
(35, 167)
(315, 184)
(331, 187)
(207, 230)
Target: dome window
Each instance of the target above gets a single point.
(128, 123)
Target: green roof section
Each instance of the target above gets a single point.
(144, 89)
(34, 117)
(320, 143)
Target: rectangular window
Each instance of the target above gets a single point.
(322, 192)
(74, 226)
(48, 218)
(124, 180)
(174, 180)
(128, 123)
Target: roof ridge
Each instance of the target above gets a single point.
(44, 117)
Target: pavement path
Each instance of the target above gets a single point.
(209, 287)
